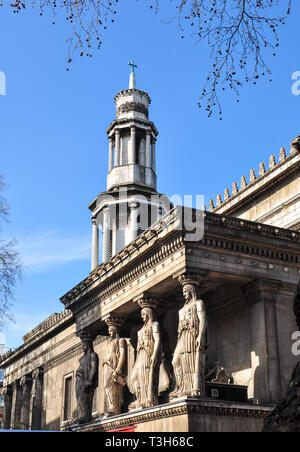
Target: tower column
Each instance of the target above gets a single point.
(106, 234)
(95, 245)
(153, 162)
(111, 154)
(148, 149)
(117, 148)
(132, 156)
(134, 211)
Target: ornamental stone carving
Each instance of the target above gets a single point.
(132, 106)
(113, 367)
(149, 376)
(86, 379)
(189, 359)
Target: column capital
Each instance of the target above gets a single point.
(94, 221)
(106, 208)
(25, 380)
(190, 278)
(7, 390)
(147, 302)
(86, 336)
(134, 205)
(262, 289)
(112, 320)
(37, 373)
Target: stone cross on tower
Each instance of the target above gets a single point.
(132, 79)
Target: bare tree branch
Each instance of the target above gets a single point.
(238, 33)
(10, 266)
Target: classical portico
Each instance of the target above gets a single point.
(245, 272)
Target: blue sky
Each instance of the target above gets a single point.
(53, 145)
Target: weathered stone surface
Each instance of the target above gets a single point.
(86, 379)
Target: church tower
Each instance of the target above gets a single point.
(131, 203)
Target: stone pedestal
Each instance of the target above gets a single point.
(189, 414)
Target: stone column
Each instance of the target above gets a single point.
(25, 383)
(148, 149)
(113, 367)
(261, 296)
(106, 234)
(16, 404)
(149, 377)
(153, 161)
(111, 154)
(86, 378)
(8, 394)
(36, 399)
(189, 358)
(134, 212)
(117, 148)
(95, 245)
(132, 155)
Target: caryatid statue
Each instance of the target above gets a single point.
(113, 367)
(189, 357)
(86, 379)
(149, 376)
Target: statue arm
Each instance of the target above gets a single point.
(201, 313)
(156, 337)
(94, 369)
(122, 357)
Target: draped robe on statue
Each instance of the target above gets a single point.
(189, 357)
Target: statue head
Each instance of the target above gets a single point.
(147, 314)
(113, 331)
(189, 292)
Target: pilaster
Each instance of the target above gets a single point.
(262, 296)
(8, 395)
(26, 384)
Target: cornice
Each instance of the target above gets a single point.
(39, 334)
(131, 122)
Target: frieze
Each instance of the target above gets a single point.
(247, 248)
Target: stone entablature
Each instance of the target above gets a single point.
(284, 253)
(147, 125)
(49, 326)
(52, 321)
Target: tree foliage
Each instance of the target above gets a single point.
(239, 34)
(10, 264)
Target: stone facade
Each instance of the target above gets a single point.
(179, 307)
